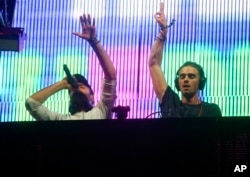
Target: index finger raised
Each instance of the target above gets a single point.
(162, 7)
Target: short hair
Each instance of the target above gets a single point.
(202, 78)
(194, 65)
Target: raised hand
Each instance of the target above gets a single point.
(88, 27)
(160, 16)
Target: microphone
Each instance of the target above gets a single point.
(71, 80)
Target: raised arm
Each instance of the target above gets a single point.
(155, 58)
(89, 34)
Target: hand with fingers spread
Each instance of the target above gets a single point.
(88, 28)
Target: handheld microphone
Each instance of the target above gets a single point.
(71, 80)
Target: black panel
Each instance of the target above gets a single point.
(121, 148)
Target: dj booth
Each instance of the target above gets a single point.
(119, 148)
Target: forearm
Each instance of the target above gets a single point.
(42, 95)
(156, 53)
(105, 62)
(156, 73)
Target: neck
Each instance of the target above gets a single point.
(191, 100)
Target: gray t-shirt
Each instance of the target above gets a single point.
(102, 110)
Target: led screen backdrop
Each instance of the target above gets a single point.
(213, 33)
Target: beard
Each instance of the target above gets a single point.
(79, 102)
(188, 95)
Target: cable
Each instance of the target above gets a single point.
(168, 113)
(158, 112)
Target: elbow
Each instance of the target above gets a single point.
(27, 105)
(28, 108)
(152, 62)
(112, 75)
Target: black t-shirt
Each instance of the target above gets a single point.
(171, 106)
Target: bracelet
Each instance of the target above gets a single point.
(93, 41)
(168, 26)
(164, 27)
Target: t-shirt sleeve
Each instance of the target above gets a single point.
(108, 97)
(40, 112)
(170, 104)
(214, 111)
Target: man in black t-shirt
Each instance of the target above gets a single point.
(189, 80)
(172, 106)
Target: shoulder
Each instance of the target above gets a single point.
(212, 109)
(211, 105)
(170, 95)
(95, 113)
(170, 104)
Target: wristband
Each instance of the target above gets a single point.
(93, 41)
(168, 26)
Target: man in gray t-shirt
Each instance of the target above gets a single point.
(81, 97)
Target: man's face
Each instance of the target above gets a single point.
(80, 98)
(84, 90)
(188, 80)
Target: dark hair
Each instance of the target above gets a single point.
(81, 79)
(202, 80)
